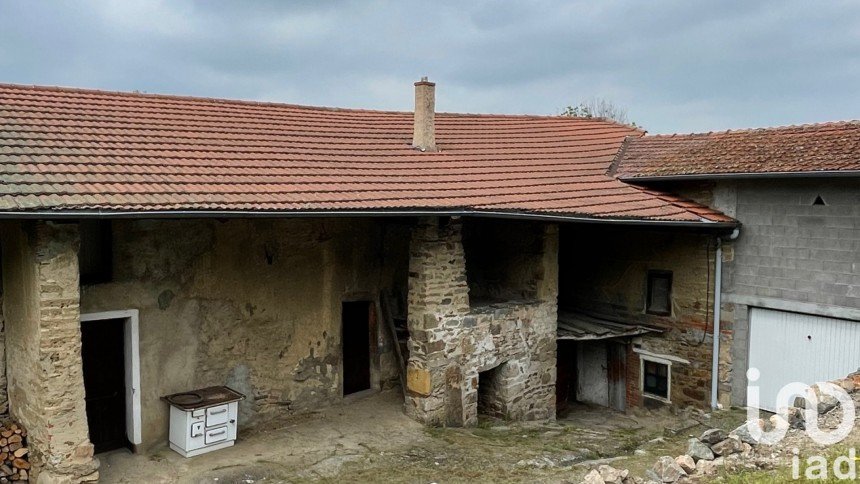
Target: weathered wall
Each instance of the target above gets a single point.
(451, 341)
(604, 271)
(791, 255)
(502, 259)
(254, 304)
(45, 381)
(4, 398)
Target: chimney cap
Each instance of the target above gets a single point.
(424, 82)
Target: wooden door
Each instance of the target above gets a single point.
(592, 383)
(617, 374)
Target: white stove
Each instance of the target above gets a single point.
(203, 420)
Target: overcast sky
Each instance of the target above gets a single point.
(676, 66)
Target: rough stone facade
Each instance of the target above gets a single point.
(45, 381)
(616, 262)
(452, 344)
(791, 255)
(4, 397)
(251, 303)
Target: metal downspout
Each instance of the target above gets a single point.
(715, 366)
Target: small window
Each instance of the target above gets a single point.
(659, 297)
(819, 201)
(655, 379)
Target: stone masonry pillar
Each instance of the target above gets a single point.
(438, 302)
(43, 338)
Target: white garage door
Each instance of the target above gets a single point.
(791, 347)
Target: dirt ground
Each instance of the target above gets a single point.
(371, 440)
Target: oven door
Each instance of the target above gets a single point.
(218, 434)
(217, 415)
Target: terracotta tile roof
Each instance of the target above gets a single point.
(826, 147)
(76, 150)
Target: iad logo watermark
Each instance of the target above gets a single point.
(785, 401)
(815, 467)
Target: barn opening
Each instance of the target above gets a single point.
(356, 340)
(103, 355)
(490, 398)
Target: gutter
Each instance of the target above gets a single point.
(114, 214)
(718, 294)
(742, 176)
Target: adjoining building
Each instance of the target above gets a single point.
(791, 289)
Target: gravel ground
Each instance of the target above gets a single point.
(371, 440)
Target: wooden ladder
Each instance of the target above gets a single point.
(384, 309)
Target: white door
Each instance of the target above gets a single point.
(592, 380)
(791, 347)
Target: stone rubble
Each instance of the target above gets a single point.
(737, 450)
(713, 436)
(698, 450)
(687, 463)
(731, 445)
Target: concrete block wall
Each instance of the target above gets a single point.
(46, 390)
(794, 250)
(792, 254)
(452, 343)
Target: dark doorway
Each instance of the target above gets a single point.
(490, 401)
(565, 385)
(356, 317)
(103, 357)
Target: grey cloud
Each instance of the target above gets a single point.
(676, 65)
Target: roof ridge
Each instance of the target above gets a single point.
(244, 102)
(180, 97)
(822, 124)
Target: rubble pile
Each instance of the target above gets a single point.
(736, 450)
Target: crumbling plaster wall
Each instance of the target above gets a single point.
(604, 271)
(251, 303)
(451, 341)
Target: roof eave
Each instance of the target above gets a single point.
(740, 176)
(548, 217)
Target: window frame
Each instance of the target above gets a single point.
(649, 288)
(660, 361)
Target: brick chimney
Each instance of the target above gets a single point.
(424, 128)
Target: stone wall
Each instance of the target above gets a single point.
(45, 381)
(791, 254)
(604, 272)
(4, 398)
(451, 342)
(251, 303)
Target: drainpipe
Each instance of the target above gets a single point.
(718, 281)
(718, 292)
